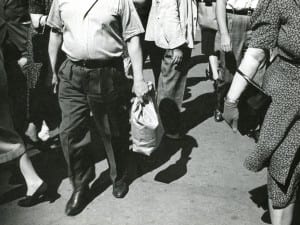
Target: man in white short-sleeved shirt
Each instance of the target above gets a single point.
(92, 34)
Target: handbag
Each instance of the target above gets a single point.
(252, 106)
(144, 126)
(207, 14)
(40, 40)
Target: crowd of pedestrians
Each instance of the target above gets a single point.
(62, 68)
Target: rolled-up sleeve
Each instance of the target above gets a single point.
(265, 25)
(54, 18)
(131, 23)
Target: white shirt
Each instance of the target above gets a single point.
(241, 4)
(94, 29)
(172, 23)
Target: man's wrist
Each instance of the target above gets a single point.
(138, 78)
(231, 100)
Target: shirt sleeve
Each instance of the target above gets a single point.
(265, 25)
(37, 7)
(54, 18)
(131, 23)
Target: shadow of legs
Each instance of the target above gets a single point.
(179, 169)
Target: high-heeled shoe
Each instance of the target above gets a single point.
(31, 200)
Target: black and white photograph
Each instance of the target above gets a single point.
(149, 112)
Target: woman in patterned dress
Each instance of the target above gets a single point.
(275, 24)
(43, 102)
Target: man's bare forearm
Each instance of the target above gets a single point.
(55, 42)
(221, 16)
(136, 56)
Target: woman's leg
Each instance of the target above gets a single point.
(282, 216)
(32, 179)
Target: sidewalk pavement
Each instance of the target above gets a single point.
(201, 182)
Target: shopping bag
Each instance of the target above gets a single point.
(207, 14)
(144, 126)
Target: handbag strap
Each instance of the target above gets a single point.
(250, 81)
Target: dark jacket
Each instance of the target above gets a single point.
(14, 23)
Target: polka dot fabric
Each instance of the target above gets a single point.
(275, 23)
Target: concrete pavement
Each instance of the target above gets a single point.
(201, 182)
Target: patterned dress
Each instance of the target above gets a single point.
(276, 24)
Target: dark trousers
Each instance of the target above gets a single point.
(105, 92)
(17, 87)
(11, 144)
(171, 87)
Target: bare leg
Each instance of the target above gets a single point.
(281, 216)
(214, 65)
(33, 181)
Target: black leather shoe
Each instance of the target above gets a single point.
(34, 199)
(218, 116)
(79, 199)
(120, 189)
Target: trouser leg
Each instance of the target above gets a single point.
(111, 115)
(11, 145)
(112, 123)
(170, 92)
(156, 55)
(17, 87)
(74, 130)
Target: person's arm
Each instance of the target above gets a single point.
(37, 13)
(38, 20)
(172, 29)
(222, 23)
(171, 23)
(136, 56)
(252, 60)
(55, 42)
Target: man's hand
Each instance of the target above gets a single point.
(226, 44)
(231, 114)
(54, 82)
(140, 88)
(177, 56)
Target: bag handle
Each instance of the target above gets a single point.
(251, 81)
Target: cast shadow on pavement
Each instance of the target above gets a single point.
(259, 196)
(141, 165)
(192, 81)
(198, 110)
(196, 60)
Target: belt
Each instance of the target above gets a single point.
(243, 12)
(92, 64)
